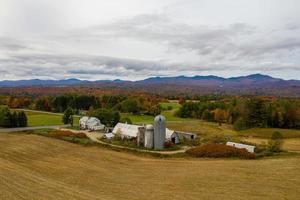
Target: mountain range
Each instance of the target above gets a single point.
(255, 84)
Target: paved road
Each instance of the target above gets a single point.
(9, 130)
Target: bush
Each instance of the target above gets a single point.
(220, 151)
(60, 134)
(168, 144)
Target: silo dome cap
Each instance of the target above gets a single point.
(149, 126)
(159, 118)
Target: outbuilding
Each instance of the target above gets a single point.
(186, 135)
(249, 148)
(90, 123)
(172, 136)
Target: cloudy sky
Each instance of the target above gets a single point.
(134, 39)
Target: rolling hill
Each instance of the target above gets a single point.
(255, 84)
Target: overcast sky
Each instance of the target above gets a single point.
(134, 39)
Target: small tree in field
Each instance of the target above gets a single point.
(68, 116)
(276, 142)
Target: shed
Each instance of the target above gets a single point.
(186, 135)
(249, 148)
(109, 135)
(172, 136)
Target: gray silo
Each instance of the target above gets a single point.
(159, 132)
(149, 133)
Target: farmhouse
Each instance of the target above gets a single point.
(249, 148)
(90, 123)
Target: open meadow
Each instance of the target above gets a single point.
(38, 118)
(37, 167)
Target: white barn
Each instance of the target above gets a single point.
(126, 130)
(90, 123)
(249, 148)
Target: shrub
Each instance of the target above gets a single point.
(220, 151)
(168, 144)
(60, 134)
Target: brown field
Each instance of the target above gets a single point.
(36, 167)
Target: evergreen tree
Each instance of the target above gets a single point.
(68, 116)
(22, 119)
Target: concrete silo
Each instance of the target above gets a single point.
(159, 132)
(149, 133)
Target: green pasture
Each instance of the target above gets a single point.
(45, 119)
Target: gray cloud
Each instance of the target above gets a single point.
(151, 44)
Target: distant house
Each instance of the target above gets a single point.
(172, 136)
(90, 123)
(249, 148)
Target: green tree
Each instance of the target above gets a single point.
(5, 116)
(106, 116)
(131, 106)
(276, 142)
(256, 113)
(22, 119)
(154, 110)
(68, 116)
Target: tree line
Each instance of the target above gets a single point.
(11, 119)
(139, 104)
(246, 113)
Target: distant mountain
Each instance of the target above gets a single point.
(255, 84)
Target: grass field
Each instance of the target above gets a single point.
(45, 119)
(267, 132)
(290, 144)
(45, 168)
(174, 105)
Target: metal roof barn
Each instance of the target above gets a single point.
(127, 130)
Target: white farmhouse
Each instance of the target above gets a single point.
(249, 148)
(90, 123)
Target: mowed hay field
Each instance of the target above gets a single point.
(37, 167)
